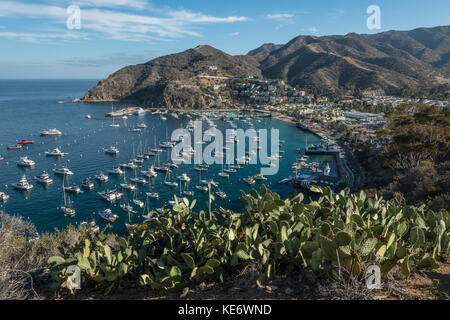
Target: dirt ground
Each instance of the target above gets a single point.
(421, 285)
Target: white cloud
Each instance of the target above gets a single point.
(111, 24)
(136, 4)
(312, 30)
(280, 16)
(234, 34)
(38, 37)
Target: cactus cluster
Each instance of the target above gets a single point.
(342, 230)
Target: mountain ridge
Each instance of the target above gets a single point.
(389, 60)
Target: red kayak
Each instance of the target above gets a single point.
(1, 159)
(25, 142)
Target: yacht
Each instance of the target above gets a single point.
(210, 181)
(260, 177)
(249, 180)
(152, 195)
(18, 146)
(63, 171)
(184, 178)
(73, 189)
(202, 188)
(151, 173)
(25, 162)
(3, 197)
(139, 180)
(108, 215)
(92, 225)
(112, 150)
(116, 171)
(110, 195)
(139, 203)
(51, 132)
(44, 178)
(87, 184)
(128, 186)
(221, 194)
(127, 208)
(23, 184)
(102, 177)
(55, 153)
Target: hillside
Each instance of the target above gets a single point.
(392, 60)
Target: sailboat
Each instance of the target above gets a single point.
(168, 182)
(223, 174)
(114, 124)
(150, 194)
(137, 202)
(67, 209)
(200, 186)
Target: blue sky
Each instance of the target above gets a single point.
(36, 43)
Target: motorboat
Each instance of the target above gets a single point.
(102, 177)
(44, 178)
(139, 203)
(23, 185)
(25, 162)
(116, 171)
(184, 178)
(25, 142)
(142, 125)
(139, 112)
(55, 153)
(51, 132)
(63, 171)
(128, 186)
(202, 188)
(3, 197)
(87, 184)
(73, 189)
(221, 194)
(11, 147)
(110, 195)
(90, 225)
(260, 177)
(249, 180)
(139, 180)
(152, 195)
(108, 215)
(127, 208)
(112, 150)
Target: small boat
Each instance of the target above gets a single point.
(1, 158)
(11, 147)
(127, 208)
(202, 188)
(25, 142)
(110, 195)
(138, 161)
(112, 150)
(44, 178)
(188, 193)
(152, 195)
(140, 112)
(25, 162)
(139, 180)
(223, 175)
(210, 181)
(141, 125)
(136, 130)
(221, 194)
(55, 153)
(128, 186)
(129, 165)
(73, 189)
(102, 177)
(23, 185)
(116, 171)
(230, 170)
(260, 177)
(51, 132)
(327, 170)
(3, 197)
(87, 184)
(92, 225)
(63, 171)
(108, 215)
(162, 168)
(171, 183)
(249, 180)
(184, 178)
(88, 116)
(114, 125)
(151, 173)
(139, 203)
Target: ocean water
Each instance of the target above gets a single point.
(30, 106)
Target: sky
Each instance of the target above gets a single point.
(43, 39)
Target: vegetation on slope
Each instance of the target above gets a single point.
(337, 235)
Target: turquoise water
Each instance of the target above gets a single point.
(30, 106)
